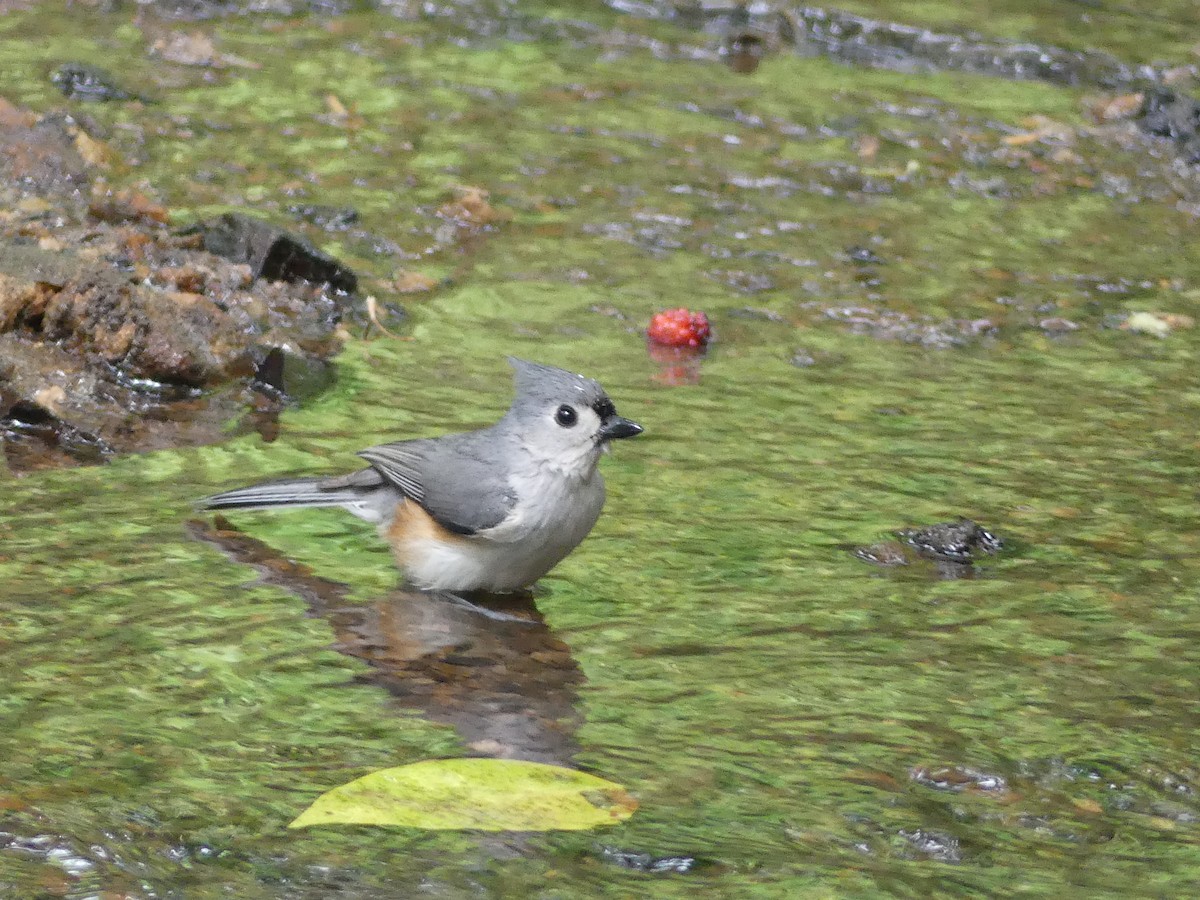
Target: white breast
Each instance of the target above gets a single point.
(555, 512)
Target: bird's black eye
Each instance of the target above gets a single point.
(566, 416)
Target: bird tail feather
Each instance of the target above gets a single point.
(292, 492)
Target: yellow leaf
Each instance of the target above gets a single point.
(476, 794)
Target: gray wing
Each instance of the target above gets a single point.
(401, 464)
(453, 478)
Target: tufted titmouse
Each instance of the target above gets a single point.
(493, 509)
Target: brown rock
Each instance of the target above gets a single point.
(409, 282)
(471, 208)
(21, 300)
(39, 157)
(1114, 109)
(108, 323)
(126, 206)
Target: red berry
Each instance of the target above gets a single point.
(679, 328)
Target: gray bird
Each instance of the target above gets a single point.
(493, 509)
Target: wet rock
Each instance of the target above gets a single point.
(200, 10)
(56, 412)
(748, 38)
(99, 361)
(471, 209)
(946, 551)
(802, 359)
(408, 281)
(904, 47)
(126, 206)
(957, 779)
(102, 313)
(39, 156)
(45, 395)
(331, 218)
(1109, 108)
(645, 862)
(1057, 325)
(863, 256)
(934, 845)
(196, 49)
(863, 41)
(1170, 114)
(757, 314)
(116, 335)
(884, 553)
(744, 282)
(80, 81)
(961, 541)
(271, 252)
(743, 51)
(298, 376)
(885, 324)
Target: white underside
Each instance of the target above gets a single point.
(555, 513)
(481, 566)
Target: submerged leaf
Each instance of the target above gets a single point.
(481, 794)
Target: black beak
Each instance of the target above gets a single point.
(615, 427)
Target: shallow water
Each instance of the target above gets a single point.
(799, 722)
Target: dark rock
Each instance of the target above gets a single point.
(743, 52)
(1166, 113)
(80, 81)
(297, 376)
(960, 541)
(947, 550)
(271, 252)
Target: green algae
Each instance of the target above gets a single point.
(763, 693)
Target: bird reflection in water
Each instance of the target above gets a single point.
(488, 665)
